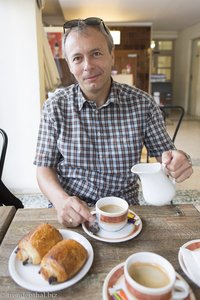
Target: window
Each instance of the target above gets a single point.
(165, 45)
(162, 59)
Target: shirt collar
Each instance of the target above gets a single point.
(113, 96)
(81, 99)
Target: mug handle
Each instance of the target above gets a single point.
(181, 290)
(173, 180)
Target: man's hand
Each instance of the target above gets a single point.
(177, 164)
(72, 212)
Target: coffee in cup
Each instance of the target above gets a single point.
(112, 213)
(111, 208)
(150, 276)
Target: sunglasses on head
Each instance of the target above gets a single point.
(88, 21)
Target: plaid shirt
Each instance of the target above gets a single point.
(93, 149)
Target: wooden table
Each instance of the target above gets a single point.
(6, 215)
(163, 232)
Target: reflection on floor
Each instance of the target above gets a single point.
(188, 139)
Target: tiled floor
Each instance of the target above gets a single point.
(188, 139)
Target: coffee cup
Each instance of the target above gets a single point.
(112, 213)
(150, 276)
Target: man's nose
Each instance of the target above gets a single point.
(87, 64)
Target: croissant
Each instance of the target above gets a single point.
(33, 246)
(63, 261)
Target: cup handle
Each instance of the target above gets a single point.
(173, 180)
(181, 290)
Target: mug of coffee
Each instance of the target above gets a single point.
(150, 276)
(112, 213)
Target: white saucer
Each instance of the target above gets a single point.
(193, 245)
(27, 275)
(127, 233)
(116, 277)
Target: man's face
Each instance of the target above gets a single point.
(89, 60)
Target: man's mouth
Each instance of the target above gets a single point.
(91, 77)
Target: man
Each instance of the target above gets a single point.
(92, 133)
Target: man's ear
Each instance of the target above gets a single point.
(70, 69)
(113, 57)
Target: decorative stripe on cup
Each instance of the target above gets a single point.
(142, 296)
(113, 219)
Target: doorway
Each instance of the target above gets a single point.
(194, 94)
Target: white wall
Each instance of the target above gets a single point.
(164, 34)
(183, 64)
(20, 91)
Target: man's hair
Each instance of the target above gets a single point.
(82, 27)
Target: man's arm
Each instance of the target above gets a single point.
(71, 211)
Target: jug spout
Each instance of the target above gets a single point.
(146, 168)
(157, 188)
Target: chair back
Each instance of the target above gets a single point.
(6, 197)
(3, 149)
(169, 109)
(166, 112)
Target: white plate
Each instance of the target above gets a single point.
(193, 245)
(127, 233)
(116, 277)
(28, 277)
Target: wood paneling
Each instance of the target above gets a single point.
(137, 40)
(124, 58)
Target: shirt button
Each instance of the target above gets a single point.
(96, 111)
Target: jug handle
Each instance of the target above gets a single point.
(173, 180)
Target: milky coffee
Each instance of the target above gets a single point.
(149, 275)
(111, 208)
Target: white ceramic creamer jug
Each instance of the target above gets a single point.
(158, 189)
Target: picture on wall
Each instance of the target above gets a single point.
(55, 42)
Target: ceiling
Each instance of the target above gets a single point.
(164, 15)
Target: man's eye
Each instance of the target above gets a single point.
(76, 59)
(96, 54)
